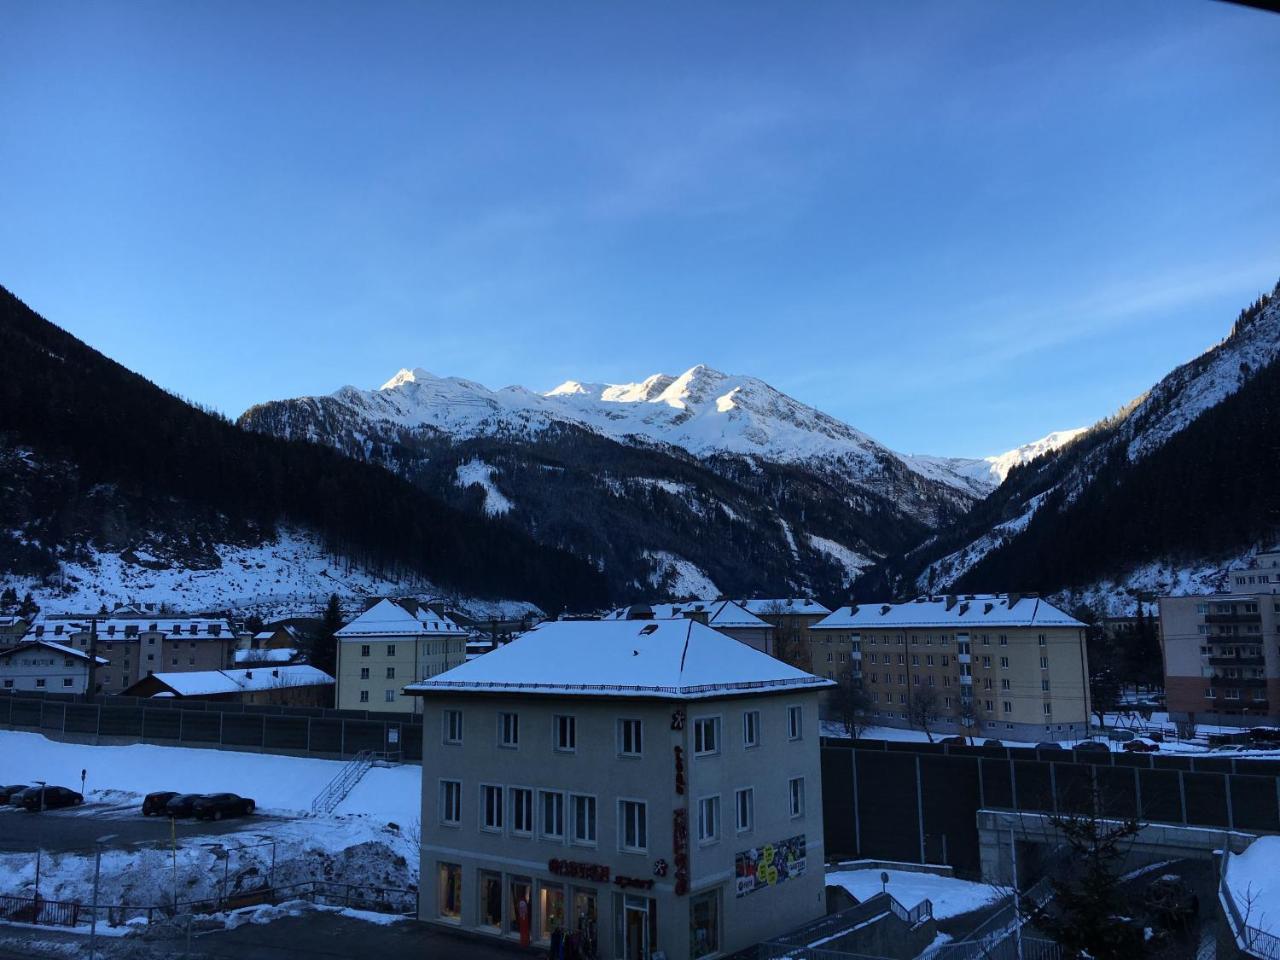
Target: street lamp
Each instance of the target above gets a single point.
(97, 870)
(39, 843)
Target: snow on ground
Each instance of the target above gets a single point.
(276, 784)
(478, 473)
(293, 576)
(1253, 877)
(678, 578)
(852, 561)
(950, 897)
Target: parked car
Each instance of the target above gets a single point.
(992, 743)
(156, 804)
(8, 793)
(50, 797)
(1265, 737)
(955, 741)
(1171, 905)
(1092, 746)
(181, 805)
(215, 806)
(1141, 746)
(1048, 745)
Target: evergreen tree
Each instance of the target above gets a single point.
(9, 598)
(324, 646)
(29, 606)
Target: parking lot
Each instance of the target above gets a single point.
(77, 828)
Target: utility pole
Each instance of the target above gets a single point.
(39, 843)
(97, 870)
(91, 689)
(1017, 904)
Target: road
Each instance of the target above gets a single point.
(76, 828)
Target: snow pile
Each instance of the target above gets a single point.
(1253, 878)
(950, 897)
(476, 472)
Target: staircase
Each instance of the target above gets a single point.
(337, 789)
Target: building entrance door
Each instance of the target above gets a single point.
(639, 917)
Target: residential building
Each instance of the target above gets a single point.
(727, 616)
(652, 787)
(1011, 666)
(791, 619)
(283, 636)
(136, 644)
(392, 643)
(1222, 654)
(298, 685)
(13, 629)
(44, 666)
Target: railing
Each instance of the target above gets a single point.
(1233, 660)
(920, 912)
(1251, 940)
(338, 788)
(392, 900)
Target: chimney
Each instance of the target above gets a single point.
(248, 674)
(885, 608)
(964, 608)
(275, 673)
(853, 610)
(639, 611)
(1013, 600)
(986, 607)
(699, 615)
(951, 601)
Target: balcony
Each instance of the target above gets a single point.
(966, 681)
(1233, 618)
(964, 658)
(1250, 683)
(1232, 660)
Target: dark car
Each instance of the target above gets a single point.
(181, 805)
(33, 798)
(1092, 746)
(992, 743)
(1171, 905)
(215, 806)
(7, 794)
(955, 741)
(156, 804)
(1048, 745)
(1141, 746)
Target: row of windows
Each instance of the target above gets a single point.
(446, 646)
(511, 811)
(629, 733)
(942, 639)
(40, 682)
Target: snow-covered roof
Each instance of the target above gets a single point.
(27, 643)
(720, 613)
(386, 618)
(114, 627)
(669, 659)
(797, 605)
(197, 683)
(267, 655)
(957, 611)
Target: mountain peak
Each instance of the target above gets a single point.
(406, 375)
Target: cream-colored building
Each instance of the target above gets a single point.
(649, 787)
(393, 643)
(1013, 664)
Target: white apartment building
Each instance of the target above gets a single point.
(392, 643)
(649, 787)
(46, 667)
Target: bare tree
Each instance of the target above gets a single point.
(967, 715)
(790, 638)
(922, 710)
(851, 702)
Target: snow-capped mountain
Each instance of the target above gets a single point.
(985, 474)
(1181, 478)
(682, 467)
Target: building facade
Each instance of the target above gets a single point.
(45, 667)
(791, 619)
(1222, 654)
(651, 788)
(393, 643)
(1007, 666)
(135, 645)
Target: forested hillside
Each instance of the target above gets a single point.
(96, 458)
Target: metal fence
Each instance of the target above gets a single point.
(216, 724)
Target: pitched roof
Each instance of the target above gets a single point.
(720, 613)
(669, 659)
(197, 683)
(386, 618)
(116, 627)
(798, 605)
(957, 611)
(267, 655)
(27, 643)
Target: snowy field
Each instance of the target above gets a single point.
(950, 897)
(284, 785)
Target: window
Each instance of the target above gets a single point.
(1004, 640)
(364, 650)
(391, 673)
(704, 924)
(566, 734)
(389, 696)
(1041, 639)
(450, 887)
(796, 797)
(364, 673)
(986, 661)
(66, 682)
(391, 649)
(1004, 663)
(364, 696)
(1044, 663)
(1048, 709)
(552, 814)
(751, 728)
(451, 802)
(630, 738)
(522, 811)
(509, 729)
(632, 826)
(491, 807)
(173, 662)
(453, 726)
(745, 805)
(706, 735)
(795, 723)
(583, 809)
(1004, 683)
(1008, 706)
(708, 819)
(988, 705)
(1044, 685)
(915, 659)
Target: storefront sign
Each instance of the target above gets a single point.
(680, 843)
(769, 865)
(679, 770)
(677, 720)
(625, 883)
(583, 871)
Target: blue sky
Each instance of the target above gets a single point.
(957, 225)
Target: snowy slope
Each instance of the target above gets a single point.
(987, 473)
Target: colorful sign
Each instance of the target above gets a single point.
(583, 871)
(680, 852)
(770, 865)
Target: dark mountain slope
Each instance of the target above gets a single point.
(95, 456)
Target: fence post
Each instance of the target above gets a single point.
(920, 809)
(1182, 794)
(1137, 793)
(857, 812)
(1231, 813)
